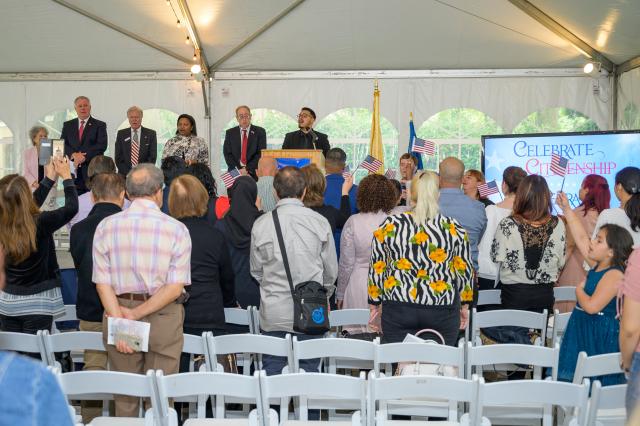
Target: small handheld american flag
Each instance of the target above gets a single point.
(346, 173)
(371, 163)
(390, 174)
(229, 177)
(488, 188)
(423, 146)
(559, 164)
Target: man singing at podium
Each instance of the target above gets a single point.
(306, 137)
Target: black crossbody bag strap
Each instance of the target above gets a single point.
(283, 250)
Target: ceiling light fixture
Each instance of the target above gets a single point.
(592, 68)
(187, 40)
(195, 69)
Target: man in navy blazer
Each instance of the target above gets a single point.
(146, 142)
(84, 138)
(234, 143)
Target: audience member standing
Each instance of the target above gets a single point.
(186, 144)
(408, 168)
(236, 227)
(267, 169)
(472, 178)
(376, 198)
(107, 191)
(212, 280)
(420, 269)
(141, 263)
(487, 270)
(135, 144)
(311, 254)
(32, 171)
(629, 296)
(453, 203)
(334, 165)
(84, 138)
(171, 167)
(32, 296)
(244, 143)
(314, 197)
(217, 205)
(594, 197)
(627, 190)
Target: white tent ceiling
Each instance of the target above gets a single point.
(45, 36)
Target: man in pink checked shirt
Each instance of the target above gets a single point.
(141, 263)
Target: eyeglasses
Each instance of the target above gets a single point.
(304, 115)
(244, 116)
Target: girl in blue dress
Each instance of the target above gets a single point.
(593, 327)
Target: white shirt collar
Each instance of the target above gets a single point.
(248, 131)
(86, 120)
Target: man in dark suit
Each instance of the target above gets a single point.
(244, 143)
(84, 138)
(107, 190)
(135, 144)
(306, 137)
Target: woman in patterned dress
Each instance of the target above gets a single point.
(186, 144)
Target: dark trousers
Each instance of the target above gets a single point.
(26, 324)
(400, 319)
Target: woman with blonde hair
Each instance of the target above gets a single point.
(420, 271)
(32, 296)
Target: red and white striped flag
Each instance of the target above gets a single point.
(488, 188)
(229, 177)
(423, 146)
(390, 174)
(371, 163)
(559, 164)
(346, 173)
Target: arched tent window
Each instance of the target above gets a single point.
(350, 129)
(7, 162)
(457, 132)
(163, 121)
(630, 117)
(553, 120)
(276, 124)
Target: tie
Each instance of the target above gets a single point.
(81, 130)
(135, 149)
(243, 154)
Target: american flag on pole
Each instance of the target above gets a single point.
(559, 164)
(390, 174)
(371, 163)
(229, 177)
(488, 188)
(346, 173)
(423, 146)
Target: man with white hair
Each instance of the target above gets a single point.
(136, 144)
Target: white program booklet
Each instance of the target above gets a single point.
(135, 333)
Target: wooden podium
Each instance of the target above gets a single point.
(315, 156)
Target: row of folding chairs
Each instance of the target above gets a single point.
(473, 400)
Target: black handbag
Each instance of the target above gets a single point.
(310, 302)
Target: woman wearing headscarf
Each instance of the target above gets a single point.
(236, 227)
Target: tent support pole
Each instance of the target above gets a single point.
(615, 83)
(628, 65)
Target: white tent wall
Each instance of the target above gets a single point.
(628, 92)
(506, 100)
(26, 102)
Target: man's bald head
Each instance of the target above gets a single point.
(144, 180)
(451, 171)
(267, 166)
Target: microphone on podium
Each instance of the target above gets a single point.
(314, 137)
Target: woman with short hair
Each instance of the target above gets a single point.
(32, 171)
(186, 144)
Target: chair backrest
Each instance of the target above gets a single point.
(311, 385)
(560, 322)
(71, 341)
(254, 328)
(382, 389)
(431, 353)
(537, 356)
(606, 398)
(23, 342)
(197, 345)
(69, 315)
(251, 344)
(489, 297)
(542, 392)
(597, 365)
(564, 294)
(238, 316)
(343, 317)
(331, 347)
(509, 317)
(205, 384)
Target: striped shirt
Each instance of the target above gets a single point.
(141, 249)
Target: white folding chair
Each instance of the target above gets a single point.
(345, 317)
(309, 387)
(69, 315)
(564, 294)
(23, 342)
(543, 394)
(425, 353)
(607, 405)
(538, 357)
(560, 322)
(203, 385)
(509, 317)
(597, 365)
(239, 316)
(100, 385)
(385, 390)
(198, 346)
(255, 319)
(255, 344)
(71, 341)
(489, 297)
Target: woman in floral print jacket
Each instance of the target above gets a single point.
(421, 270)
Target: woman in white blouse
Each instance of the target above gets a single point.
(627, 190)
(186, 144)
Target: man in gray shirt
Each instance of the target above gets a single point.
(312, 257)
(267, 168)
(454, 203)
